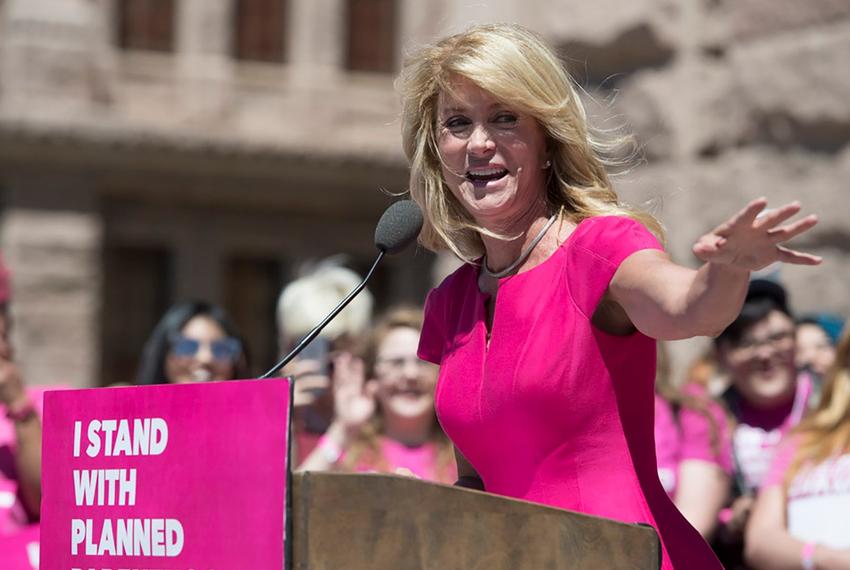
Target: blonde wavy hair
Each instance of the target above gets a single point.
(306, 300)
(517, 67)
(825, 432)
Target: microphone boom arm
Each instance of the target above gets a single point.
(318, 328)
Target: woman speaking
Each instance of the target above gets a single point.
(545, 337)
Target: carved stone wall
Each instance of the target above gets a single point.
(729, 99)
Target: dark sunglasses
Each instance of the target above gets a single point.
(227, 348)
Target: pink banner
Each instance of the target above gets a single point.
(189, 476)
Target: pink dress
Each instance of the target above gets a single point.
(13, 515)
(554, 410)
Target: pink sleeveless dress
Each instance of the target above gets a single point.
(554, 410)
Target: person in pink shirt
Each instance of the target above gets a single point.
(301, 305)
(693, 448)
(384, 404)
(545, 337)
(20, 431)
(767, 396)
(20, 450)
(801, 518)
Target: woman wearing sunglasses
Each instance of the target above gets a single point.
(193, 342)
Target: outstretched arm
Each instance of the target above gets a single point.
(702, 490)
(770, 546)
(668, 301)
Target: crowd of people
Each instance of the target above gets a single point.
(529, 372)
(735, 424)
(752, 444)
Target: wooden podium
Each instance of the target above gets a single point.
(386, 522)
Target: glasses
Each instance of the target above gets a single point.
(223, 349)
(398, 364)
(750, 345)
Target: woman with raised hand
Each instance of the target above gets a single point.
(546, 336)
(801, 518)
(384, 405)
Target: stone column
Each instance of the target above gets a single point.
(51, 238)
(316, 38)
(205, 66)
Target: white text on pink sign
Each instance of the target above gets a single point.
(117, 487)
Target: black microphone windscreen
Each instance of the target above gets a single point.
(398, 226)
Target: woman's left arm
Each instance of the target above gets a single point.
(769, 546)
(701, 491)
(667, 301)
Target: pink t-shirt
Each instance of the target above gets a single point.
(690, 434)
(422, 461)
(818, 497)
(759, 432)
(305, 443)
(13, 516)
(552, 409)
(668, 445)
(20, 550)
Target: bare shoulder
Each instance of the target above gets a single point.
(644, 268)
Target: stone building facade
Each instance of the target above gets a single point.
(155, 150)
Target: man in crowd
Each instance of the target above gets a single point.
(766, 397)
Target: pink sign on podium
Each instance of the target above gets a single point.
(189, 476)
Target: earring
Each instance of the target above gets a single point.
(546, 164)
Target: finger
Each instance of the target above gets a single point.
(371, 389)
(347, 374)
(310, 376)
(358, 372)
(792, 230)
(341, 361)
(772, 218)
(797, 257)
(303, 398)
(745, 217)
(312, 381)
(341, 365)
(708, 247)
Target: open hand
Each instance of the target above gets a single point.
(354, 397)
(751, 240)
(11, 384)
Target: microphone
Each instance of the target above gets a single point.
(399, 225)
